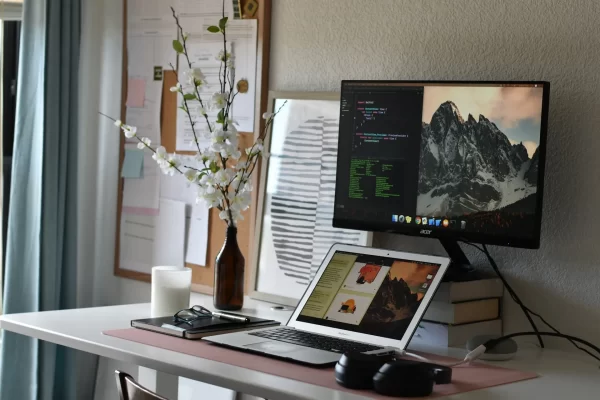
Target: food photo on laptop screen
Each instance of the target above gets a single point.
(369, 294)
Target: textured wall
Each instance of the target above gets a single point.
(316, 43)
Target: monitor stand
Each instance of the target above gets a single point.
(460, 269)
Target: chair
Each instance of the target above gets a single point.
(129, 389)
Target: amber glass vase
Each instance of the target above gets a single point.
(229, 274)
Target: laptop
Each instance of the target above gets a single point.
(361, 299)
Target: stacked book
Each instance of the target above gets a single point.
(460, 311)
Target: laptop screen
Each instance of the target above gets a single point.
(369, 294)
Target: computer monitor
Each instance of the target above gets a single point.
(450, 160)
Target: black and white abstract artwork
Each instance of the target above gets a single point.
(298, 197)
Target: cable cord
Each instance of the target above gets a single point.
(493, 342)
(527, 311)
(510, 290)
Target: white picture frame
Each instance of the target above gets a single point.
(291, 236)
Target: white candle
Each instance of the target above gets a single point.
(170, 290)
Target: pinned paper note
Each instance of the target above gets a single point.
(136, 92)
(133, 163)
(169, 234)
(140, 196)
(197, 239)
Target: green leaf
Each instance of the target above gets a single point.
(223, 23)
(182, 108)
(221, 116)
(213, 167)
(189, 96)
(177, 46)
(213, 29)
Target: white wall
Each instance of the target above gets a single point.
(317, 43)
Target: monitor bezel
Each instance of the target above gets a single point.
(532, 242)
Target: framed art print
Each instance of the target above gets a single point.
(296, 196)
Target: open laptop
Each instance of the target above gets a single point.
(361, 299)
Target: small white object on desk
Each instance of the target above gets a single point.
(170, 290)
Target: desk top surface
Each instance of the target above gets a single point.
(563, 374)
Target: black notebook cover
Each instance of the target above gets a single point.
(200, 327)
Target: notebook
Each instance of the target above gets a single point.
(199, 328)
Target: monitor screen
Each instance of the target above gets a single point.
(368, 294)
(460, 160)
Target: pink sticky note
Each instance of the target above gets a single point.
(136, 90)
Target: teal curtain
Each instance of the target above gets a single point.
(41, 257)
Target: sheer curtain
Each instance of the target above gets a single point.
(42, 264)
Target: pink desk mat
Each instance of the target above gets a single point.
(464, 378)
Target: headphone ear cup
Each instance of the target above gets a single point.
(356, 370)
(404, 378)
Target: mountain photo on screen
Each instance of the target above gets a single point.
(479, 156)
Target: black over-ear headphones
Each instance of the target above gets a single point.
(388, 376)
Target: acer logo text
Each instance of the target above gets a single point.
(425, 232)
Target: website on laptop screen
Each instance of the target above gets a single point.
(369, 294)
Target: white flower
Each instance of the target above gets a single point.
(241, 165)
(229, 150)
(145, 142)
(194, 77)
(224, 215)
(170, 165)
(256, 149)
(240, 202)
(221, 177)
(191, 175)
(176, 88)
(206, 156)
(198, 74)
(268, 115)
(217, 147)
(129, 131)
(218, 136)
(236, 154)
(210, 199)
(186, 35)
(207, 183)
(232, 130)
(118, 123)
(231, 136)
(247, 187)
(201, 111)
(222, 56)
(219, 100)
(160, 155)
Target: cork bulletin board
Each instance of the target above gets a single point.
(202, 276)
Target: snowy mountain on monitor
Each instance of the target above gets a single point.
(470, 166)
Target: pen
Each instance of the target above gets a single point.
(230, 317)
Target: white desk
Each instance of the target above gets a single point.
(564, 375)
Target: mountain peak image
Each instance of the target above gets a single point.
(394, 301)
(469, 166)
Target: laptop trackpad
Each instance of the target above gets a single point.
(273, 347)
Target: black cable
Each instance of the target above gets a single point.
(557, 331)
(510, 290)
(526, 309)
(493, 342)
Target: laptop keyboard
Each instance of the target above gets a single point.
(314, 340)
